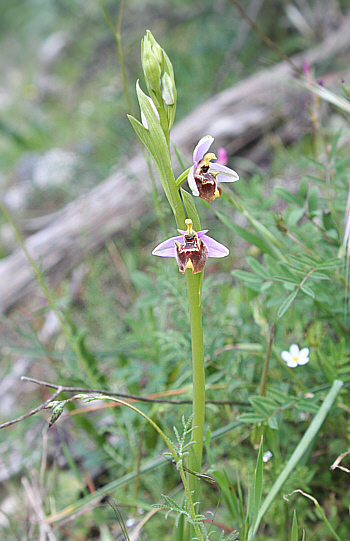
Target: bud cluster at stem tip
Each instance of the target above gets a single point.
(152, 61)
(159, 77)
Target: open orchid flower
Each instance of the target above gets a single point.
(191, 249)
(203, 177)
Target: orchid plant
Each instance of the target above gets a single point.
(192, 247)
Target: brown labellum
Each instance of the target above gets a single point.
(191, 255)
(206, 184)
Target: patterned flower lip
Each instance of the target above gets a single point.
(203, 176)
(295, 356)
(191, 249)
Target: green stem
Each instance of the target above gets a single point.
(194, 290)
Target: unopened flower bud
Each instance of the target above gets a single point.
(156, 48)
(167, 90)
(151, 57)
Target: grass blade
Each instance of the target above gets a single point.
(299, 452)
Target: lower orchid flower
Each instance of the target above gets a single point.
(203, 177)
(191, 249)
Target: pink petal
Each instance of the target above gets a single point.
(215, 248)
(225, 173)
(167, 247)
(191, 182)
(202, 148)
(222, 156)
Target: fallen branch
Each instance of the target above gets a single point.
(128, 397)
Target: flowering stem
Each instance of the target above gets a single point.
(194, 290)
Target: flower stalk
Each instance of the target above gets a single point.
(194, 291)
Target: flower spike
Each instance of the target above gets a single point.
(191, 249)
(203, 177)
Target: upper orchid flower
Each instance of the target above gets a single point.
(203, 177)
(191, 249)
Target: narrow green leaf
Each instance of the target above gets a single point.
(272, 422)
(319, 276)
(243, 233)
(144, 136)
(303, 189)
(263, 405)
(288, 267)
(258, 268)
(294, 536)
(266, 285)
(278, 396)
(312, 200)
(330, 264)
(315, 162)
(285, 279)
(305, 404)
(304, 258)
(286, 195)
(308, 291)
(334, 145)
(229, 494)
(294, 216)
(251, 418)
(286, 304)
(248, 277)
(258, 484)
